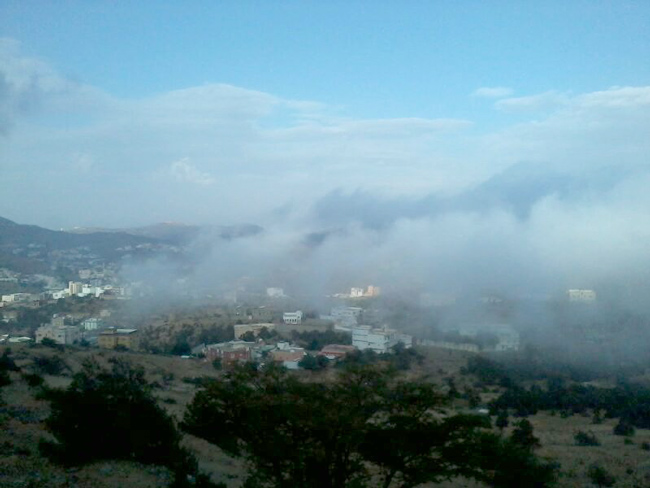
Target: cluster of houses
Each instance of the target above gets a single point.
(93, 330)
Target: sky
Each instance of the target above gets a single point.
(522, 126)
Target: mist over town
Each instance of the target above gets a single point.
(244, 218)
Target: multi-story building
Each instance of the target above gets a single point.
(61, 334)
(229, 352)
(92, 323)
(74, 288)
(379, 340)
(356, 292)
(292, 318)
(584, 296)
(275, 292)
(113, 337)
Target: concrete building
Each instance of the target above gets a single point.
(58, 320)
(17, 298)
(92, 323)
(241, 329)
(347, 316)
(113, 337)
(275, 292)
(336, 351)
(229, 352)
(581, 296)
(373, 291)
(292, 318)
(74, 288)
(288, 355)
(61, 334)
(356, 292)
(379, 340)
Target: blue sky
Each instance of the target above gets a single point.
(375, 59)
(220, 111)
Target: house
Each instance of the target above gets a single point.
(292, 318)
(61, 334)
(229, 352)
(379, 340)
(356, 292)
(336, 351)
(581, 296)
(113, 337)
(241, 329)
(288, 355)
(344, 316)
(275, 292)
(92, 323)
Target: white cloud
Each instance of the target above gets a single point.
(544, 101)
(492, 92)
(185, 172)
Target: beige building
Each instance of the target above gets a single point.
(61, 334)
(112, 337)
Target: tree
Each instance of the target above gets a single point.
(599, 476)
(248, 336)
(367, 423)
(502, 420)
(313, 363)
(523, 435)
(624, 428)
(112, 414)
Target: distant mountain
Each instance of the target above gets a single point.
(13, 235)
(33, 249)
(179, 234)
(517, 190)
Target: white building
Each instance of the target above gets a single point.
(583, 296)
(275, 292)
(347, 316)
(379, 340)
(292, 318)
(74, 288)
(17, 297)
(61, 334)
(92, 323)
(356, 292)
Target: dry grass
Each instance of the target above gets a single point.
(21, 427)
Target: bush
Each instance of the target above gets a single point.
(599, 476)
(110, 415)
(52, 365)
(522, 435)
(645, 446)
(624, 428)
(33, 380)
(586, 439)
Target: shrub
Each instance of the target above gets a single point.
(112, 414)
(645, 446)
(624, 428)
(52, 365)
(33, 380)
(522, 435)
(586, 439)
(599, 476)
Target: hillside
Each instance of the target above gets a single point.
(23, 413)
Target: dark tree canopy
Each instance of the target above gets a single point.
(366, 428)
(112, 414)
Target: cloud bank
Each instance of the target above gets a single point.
(555, 197)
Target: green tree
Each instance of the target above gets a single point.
(112, 414)
(502, 420)
(599, 476)
(522, 435)
(344, 433)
